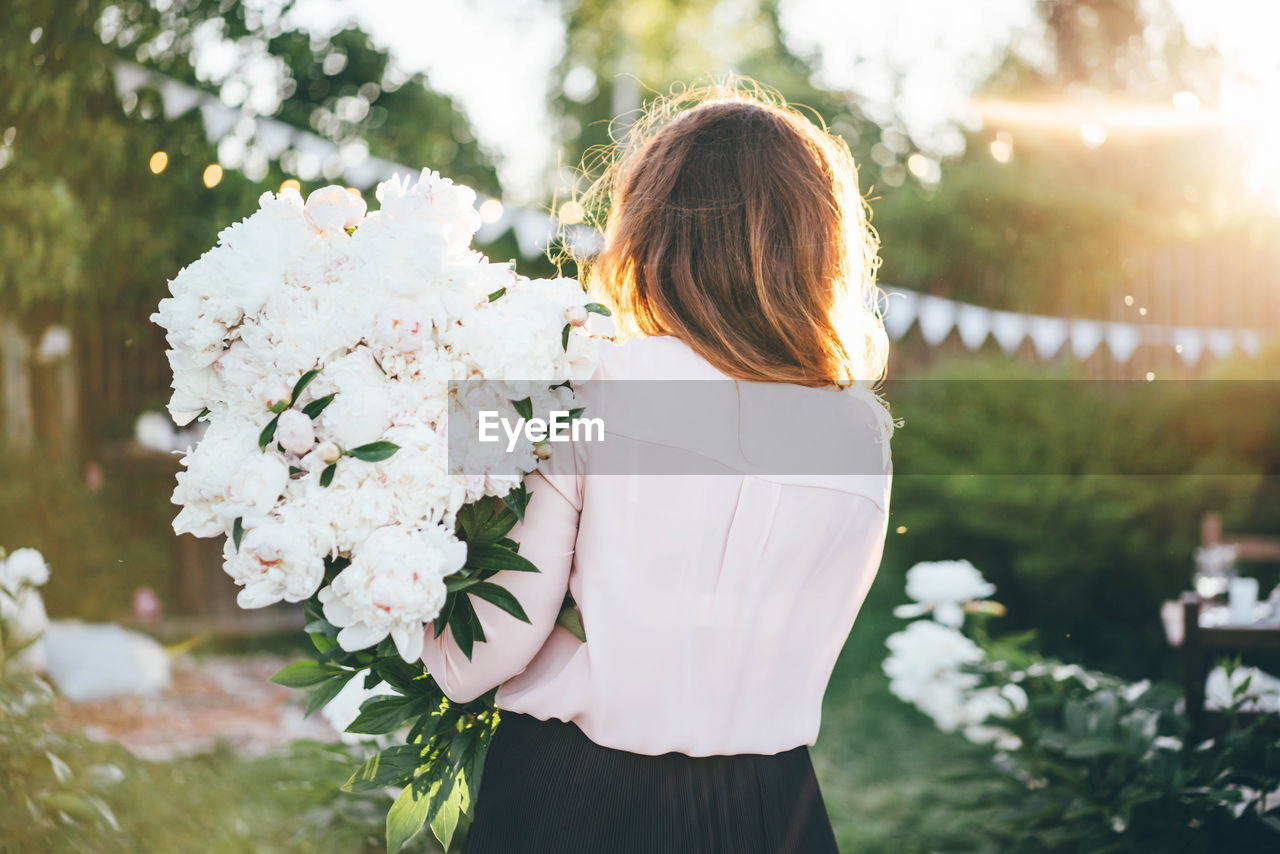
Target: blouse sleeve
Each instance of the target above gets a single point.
(546, 537)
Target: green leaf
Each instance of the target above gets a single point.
(442, 619)
(598, 308)
(571, 618)
(237, 532)
(322, 642)
(303, 674)
(315, 407)
(460, 624)
(322, 694)
(302, 383)
(523, 408)
(405, 818)
(484, 522)
(326, 476)
(564, 336)
(516, 501)
(402, 675)
(454, 583)
(61, 770)
(495, 557)
(477, 630)
(385, 714)
(500, 596)
(444, 824)
(497, 294)
(104, 811)
(268, 433)
(374, 451)
(395, 766)
(1091, 746)
(278, 407)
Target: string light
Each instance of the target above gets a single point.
(212, 175)
(1150, 376)
(490, 210)
(1093, 134)
(570, 212)
(158, 162)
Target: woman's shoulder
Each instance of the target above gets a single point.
(656, 357)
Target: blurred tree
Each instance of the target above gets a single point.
(1037, 217)
(619, 57)
(106, 197)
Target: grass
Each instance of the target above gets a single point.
(883, 766)
(884, 770)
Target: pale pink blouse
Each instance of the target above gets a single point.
(714, 605)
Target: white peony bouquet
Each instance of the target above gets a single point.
(324, 346)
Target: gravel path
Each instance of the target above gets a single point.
(210, 700)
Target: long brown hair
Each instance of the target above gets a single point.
(734, 223)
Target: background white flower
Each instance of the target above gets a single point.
(942, 587)
(23, 568)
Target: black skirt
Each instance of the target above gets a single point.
(548, 789)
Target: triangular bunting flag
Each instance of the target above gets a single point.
(178, 98)
(272, 136)
(533, 232)
(129, 78)
(1189, 343)
(1221, 342)
(1009, 329)
(219, 119)
(937, 317)
(1086, 335)
(974, 324)
(1122, 340)
(899, 313)
(1048, 334)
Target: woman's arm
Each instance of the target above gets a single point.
(546, 538)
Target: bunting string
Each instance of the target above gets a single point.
(936, 317)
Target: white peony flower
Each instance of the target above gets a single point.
(403, 325)
(943, 587)
(388, 318)
(275, 561)
(394, 584)
(344, 708)
(333, 209)
(927, 654)
(295, 432)
(1262, 695)
(23, 568)
(24, 620)
(272, 392)
(155, 432)
(361, 411)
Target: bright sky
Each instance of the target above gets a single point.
(496, 58)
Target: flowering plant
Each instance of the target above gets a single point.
(22, 615)
(323, 344)
(1088, 761)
